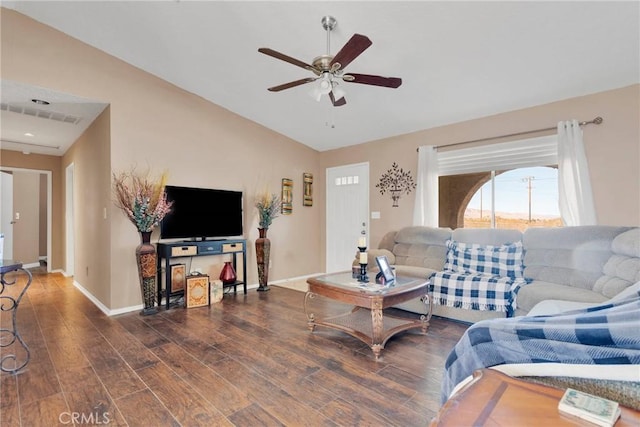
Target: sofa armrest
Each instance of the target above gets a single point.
(373, 253)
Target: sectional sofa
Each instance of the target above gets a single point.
(585, 264)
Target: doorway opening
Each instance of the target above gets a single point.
(30, 196)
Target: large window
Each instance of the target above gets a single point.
(518, 198)
(449, 176)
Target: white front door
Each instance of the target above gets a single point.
(6, 213)
(347, 213)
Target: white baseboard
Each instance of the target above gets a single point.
(291, 279)
(103, 307)
(93, 299)
(125, 310)
(110, 312)
(31, 265)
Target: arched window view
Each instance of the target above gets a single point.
(519, 199)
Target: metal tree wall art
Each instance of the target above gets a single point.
(397, 182)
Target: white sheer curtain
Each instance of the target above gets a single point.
(425, 211)
(574, 185)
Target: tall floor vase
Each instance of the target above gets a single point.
(146, 258)
(263, 248)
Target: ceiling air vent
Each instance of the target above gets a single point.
(43, 114)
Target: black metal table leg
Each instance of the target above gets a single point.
(11, 335)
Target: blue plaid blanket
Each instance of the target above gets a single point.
(601, 335)
(475, 291)
(480, 277)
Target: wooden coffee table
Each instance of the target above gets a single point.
(367, 321)
(495, 399)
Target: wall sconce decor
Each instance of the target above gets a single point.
(307, 194)
(397, 182)
(287, 196)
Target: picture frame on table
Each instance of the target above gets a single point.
(386, 272)
(178, 278)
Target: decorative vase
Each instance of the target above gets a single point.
(228, 274)
(146, 259)
(263, 248)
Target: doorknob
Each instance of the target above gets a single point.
(12, 222)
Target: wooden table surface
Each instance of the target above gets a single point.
(372, 326)
(496, 399)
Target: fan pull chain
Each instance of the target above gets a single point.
(331, 119)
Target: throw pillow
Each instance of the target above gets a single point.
(505, 260)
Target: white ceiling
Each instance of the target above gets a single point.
(44, 129)
(457, 60)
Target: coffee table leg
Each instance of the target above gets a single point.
(428, 300)
(311, 318)
(378, 328)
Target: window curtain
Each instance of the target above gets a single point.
(425, 211)
(574, 186)
(523, 153)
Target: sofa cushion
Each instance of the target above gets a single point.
(486, 236)
(504, 260)
(623, 267)
(537, 291)
(408, 270)
(388, 241)
(421, 247)
(573, 256)
(551, 306)
(373, 253)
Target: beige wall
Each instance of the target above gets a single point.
(91, 196)
(613, 152)
(16, 159)
(155, 125)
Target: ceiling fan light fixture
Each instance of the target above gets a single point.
(323, 87)
(326, 84)
(315, 94)
(338, 92)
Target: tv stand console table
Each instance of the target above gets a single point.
(186, 249)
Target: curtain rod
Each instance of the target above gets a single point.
(598, 120)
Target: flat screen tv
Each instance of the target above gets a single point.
(201, 213)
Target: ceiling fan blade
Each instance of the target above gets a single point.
(290, 60)
(367, 79)
(350, 51)
(291, 84)
(337, 102)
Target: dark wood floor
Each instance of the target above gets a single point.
(247, 361)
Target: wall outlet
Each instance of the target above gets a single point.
(375, 215)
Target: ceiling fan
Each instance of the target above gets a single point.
(329, 69)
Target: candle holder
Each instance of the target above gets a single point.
(362, 277)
